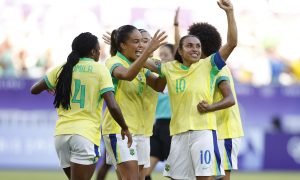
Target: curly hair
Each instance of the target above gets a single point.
(208, 35)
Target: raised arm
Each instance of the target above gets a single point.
(152, 65)
(232, 35)
(176, 31)
(129, 74)
(227, 101)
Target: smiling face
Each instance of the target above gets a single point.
(132, 47)
(190, 50)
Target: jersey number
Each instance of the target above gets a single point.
(205, 157)
(79, 90)
(180, 85)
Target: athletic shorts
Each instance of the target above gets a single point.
(160, 141)
(194, 153)
(117, 150)
(77, 149)
(229, 150)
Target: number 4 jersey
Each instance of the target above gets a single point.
(90, 80)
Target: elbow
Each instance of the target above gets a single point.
(33, 91)
(231, 102)
(233, 45)
(128, 78)
(160, 89)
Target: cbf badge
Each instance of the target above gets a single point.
(139, 76)
(131, 152)
(140, 85)
(167, 167)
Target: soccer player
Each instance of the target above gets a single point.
(130, 79)
(80, 85)
(194, 151)
(160, 141)
(229, 126)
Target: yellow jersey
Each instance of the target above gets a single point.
(188, 86)
(228, 120)
(129, 95)
(150, 101)
(89, 81)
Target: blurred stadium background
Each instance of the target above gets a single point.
(36, 35)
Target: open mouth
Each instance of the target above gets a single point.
(194, 55)
(138, 53)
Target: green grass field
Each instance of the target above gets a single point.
(59, 175)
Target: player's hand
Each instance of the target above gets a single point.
(226, 5)
(125, 132)
(156, 41)
(107, 38)
(203, 107)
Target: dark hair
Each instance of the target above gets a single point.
(208, 35)
(142, 30)
(82, 46)
(121, 35)
(180, 46)
(170, 46)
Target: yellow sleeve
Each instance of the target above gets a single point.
(105, 80)
(162, 69)
(112, 63)
(51, 77)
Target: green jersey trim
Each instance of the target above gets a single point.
(221, 78)
(124, 58)
(48, 83)
(86, 59)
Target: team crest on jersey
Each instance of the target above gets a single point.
(131, 152)
(139, 77)
(167, 167)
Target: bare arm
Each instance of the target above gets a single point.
(116, 113)
(232, 35)
(130, 73)
(227, 101)
(176, 31)
(156, 83)
(39, 87)
(152, 65)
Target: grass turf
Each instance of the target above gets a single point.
(59, 175)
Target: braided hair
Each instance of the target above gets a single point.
(82, 46)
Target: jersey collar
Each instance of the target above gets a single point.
(123, 58)
(86, 59)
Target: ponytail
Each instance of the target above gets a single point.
(113, 43)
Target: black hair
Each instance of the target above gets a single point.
(82, 46)
(118, 36)
(208, 35)
(170, 46)
(180, 46)
(142, 30)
